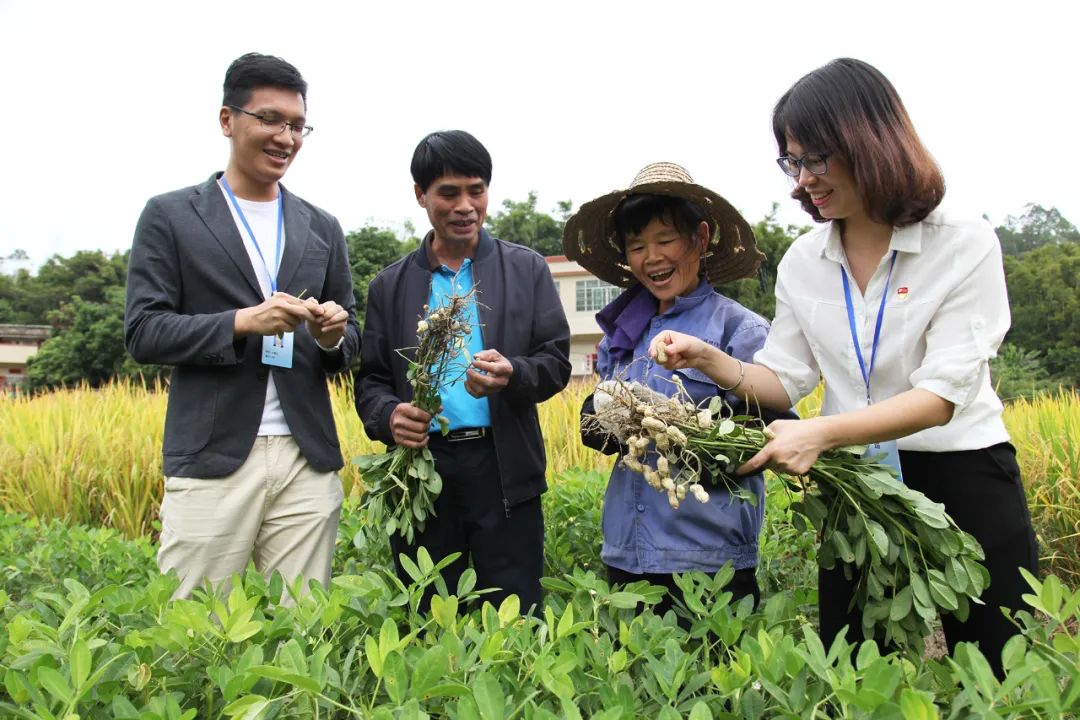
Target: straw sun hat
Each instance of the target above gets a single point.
(589, 237)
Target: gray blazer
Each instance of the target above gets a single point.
(187, 276)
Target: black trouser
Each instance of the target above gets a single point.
(982, 491)
(506, 545)
(742, 584)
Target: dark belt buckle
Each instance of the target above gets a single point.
(466, 434)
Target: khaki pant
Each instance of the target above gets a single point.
(274, 510)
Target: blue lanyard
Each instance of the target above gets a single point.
(877, 328)
(280, 228)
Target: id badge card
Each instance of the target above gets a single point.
(886, 453)
(277, 350)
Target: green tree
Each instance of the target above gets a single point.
(773, 239)
(1044, 290)
(1019, 373)
(87, 274)
(1038, 226)
(8, 299)
(370, 250)
(522, 223)
(88, 346)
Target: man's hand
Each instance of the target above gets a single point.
(328, 321)
(281, 313)
(490, 372)
(794, 445)
(409, 425)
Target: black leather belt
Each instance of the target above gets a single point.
(463, 434)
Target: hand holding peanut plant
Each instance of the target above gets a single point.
(401, 485)
(910, 558)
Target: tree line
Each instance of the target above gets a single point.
(82, 296)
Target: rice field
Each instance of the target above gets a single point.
(93, 456)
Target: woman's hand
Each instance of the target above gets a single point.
(675, 350)
(793, 446)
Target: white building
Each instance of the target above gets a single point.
(582, 295)
(18, 343)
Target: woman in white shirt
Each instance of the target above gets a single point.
(899, 307)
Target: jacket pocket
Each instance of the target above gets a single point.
(189, 419)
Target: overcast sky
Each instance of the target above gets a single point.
(107, 104)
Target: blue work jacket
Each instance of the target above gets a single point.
(642, 533)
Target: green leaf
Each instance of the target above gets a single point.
(509, 610)
(429, 670)
(410, 569)
(617, 661)
(55, 684)
(272, 672)
(566, 622)
(942, 594)
(374, 657)
(880, 682)
(444, 610)
(489, 697)
(978, 576)
(434, 483)
(80, 659)
(934, 517)
(396, 678)
(448, 689)
(815, 509)
(920, 589)
(249, 707)
(868, 653)
(752, 704)
(1051, 595)
(916, 706)
(879, 537)
(625, 600)
(569, 709)
(241, 631)
(843, 549)
(956, 575)
(860, 551)
(901, 605)
(701, 711)
(388, 637)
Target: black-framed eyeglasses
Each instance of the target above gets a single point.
(277, 125)
(815, 164)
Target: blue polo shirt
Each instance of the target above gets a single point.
(459, 407)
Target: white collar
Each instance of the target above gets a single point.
(906, 240)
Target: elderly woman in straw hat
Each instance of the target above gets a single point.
(668, 240)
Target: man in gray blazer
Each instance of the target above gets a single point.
(245, 289)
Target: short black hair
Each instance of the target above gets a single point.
(252, 71)
(449, 152)
(635, 212)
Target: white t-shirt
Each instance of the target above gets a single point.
(263, 219)
(945, 317)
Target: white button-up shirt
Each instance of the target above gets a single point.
(946, 314)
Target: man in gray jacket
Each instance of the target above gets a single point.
(245, 289)
(492, 462)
